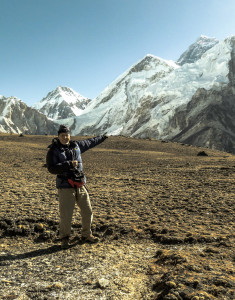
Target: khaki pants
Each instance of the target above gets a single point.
(67, 199)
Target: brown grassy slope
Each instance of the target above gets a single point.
(141, 190)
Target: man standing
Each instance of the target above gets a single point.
(64, 160)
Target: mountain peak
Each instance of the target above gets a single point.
(61, 89)
(153, 63)
(61, 103)
(155, 58)
(197, 49)
(63, 93)
(205, 37)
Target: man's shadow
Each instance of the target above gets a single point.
(38, 252)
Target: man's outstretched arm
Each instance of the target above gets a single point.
(85, 145)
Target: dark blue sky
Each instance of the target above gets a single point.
(86, 44)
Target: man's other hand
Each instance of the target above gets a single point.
(75, 163)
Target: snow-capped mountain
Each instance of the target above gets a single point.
(63, 102)
(17, 117)
(119, 103)
(160, 99)
(197, 49)
(192, 101)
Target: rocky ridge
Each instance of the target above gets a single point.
(17, 117)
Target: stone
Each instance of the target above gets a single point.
(103, 283)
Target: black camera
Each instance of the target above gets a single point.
(78, 176)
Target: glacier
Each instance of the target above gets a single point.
(142, 100)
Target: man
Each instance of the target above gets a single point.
(64, 160)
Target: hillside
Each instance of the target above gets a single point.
(164, 216)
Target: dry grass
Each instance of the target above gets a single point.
(165, 217)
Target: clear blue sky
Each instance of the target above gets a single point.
(86, 44)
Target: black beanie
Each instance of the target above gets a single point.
(63, 129)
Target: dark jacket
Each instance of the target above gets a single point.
(59, 159)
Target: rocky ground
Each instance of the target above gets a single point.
(164, 215)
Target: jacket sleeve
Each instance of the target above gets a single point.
(85, 145)
(55, 167)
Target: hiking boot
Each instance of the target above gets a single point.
(65, 242)
(90, 239)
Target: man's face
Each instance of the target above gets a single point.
(64, 138)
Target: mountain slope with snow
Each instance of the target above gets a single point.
(63, 102)
(17, 117)
(178, 88)
(208, 118)
(144, 101)
(118, 103)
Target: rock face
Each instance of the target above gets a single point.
(61, 103)
(196, 50)
(213, 126)
(17, 117)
